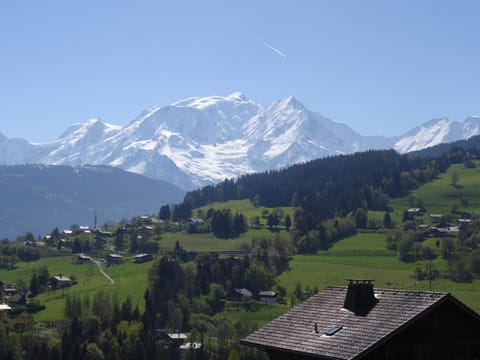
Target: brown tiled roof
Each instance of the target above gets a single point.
(295, 330)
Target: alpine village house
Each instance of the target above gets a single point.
(360, 322)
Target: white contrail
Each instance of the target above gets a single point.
(256, 37)
(271, 47)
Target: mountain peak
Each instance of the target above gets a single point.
(200, 140)
(94, 128)
(473, 118)
(290, 102)
(238, 96)
(201, 103)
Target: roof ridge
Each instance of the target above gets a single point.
(334, 287)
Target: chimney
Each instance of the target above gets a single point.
(360, 297)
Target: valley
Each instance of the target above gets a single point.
(365, 254)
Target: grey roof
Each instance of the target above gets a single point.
(295, 330)
(244, 292)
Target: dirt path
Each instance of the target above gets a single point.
(100, 268)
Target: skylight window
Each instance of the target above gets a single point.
(333, 330)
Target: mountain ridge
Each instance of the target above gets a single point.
(203, 140)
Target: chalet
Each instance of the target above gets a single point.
(360, 322)
(141, 258)
(414, 211)
(444, 231)
(435, 218)
(192, 223)
(240, 294)
(195, 221)
(60, 281)
(177, 339)
(82, 259)
(190, 346)
(464, 221)
(144, 230)
(268, 296)
(4, 307)
(113, 259)
(145, 219)
(103, 233)
(11, 290)
(16, 300)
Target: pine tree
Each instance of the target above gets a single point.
(288, 222)
(387, 220)
(164, 213)
(34, 284)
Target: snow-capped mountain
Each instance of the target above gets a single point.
(198, 141)
(436, 132)
(202, 140)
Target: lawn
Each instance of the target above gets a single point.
(130, 280)
(208, 242)
(246, 208)
(361, 256)
(265, 313)
(439, 196)
(343, 261)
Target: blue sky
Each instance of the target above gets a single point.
(381, 67)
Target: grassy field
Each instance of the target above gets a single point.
(208, 242)
(130, 280)
(265, 313)
(361, 256)
(440, 195)
(244, 207)
(364, 256)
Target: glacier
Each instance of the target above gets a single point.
(202, 140)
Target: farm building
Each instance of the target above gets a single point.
(267, 295)
(82, 259)
(4, 307)
(240, 294)
(114, 259)
(60, 281)
(360, 322)
(141, 258)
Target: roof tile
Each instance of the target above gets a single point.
(295, 330)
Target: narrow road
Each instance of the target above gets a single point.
(100, 268)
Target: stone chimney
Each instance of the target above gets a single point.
(360, 297)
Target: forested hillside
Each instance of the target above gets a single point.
(340, 182)
(472, 145)
(332, 188)
(223, 269)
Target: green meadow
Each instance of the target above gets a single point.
(361, 256)
(365, 255)
(439, 196)
(244, 207)
(208, 242)
(130, 280)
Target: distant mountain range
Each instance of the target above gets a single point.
(199, 141)
(38, 198)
